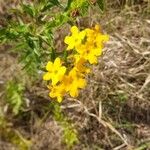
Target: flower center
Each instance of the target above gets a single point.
(56, 71)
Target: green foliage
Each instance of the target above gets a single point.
(31, 31)
(101, 4)
(68, 5)
(70, 136)
(29, 9)
(14, 137)
(32, 35)
(14, 96)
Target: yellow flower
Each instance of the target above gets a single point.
(55, 71)
(97, 28)
(57, 92)
(79, 64)
(75, 39)
(94, 36)
(87, 45)
(90, 35)
(73, 82)
(89, 52)
(100, 39)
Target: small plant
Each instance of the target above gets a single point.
(70, 135)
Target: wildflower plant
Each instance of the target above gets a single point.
(85, 46)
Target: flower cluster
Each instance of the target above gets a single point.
(83, 47)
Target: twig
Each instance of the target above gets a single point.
(70, 106)
(119, 147)
(100, 110)
(104, 123)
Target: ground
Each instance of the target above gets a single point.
(113, 112)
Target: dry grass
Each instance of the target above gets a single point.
(113, 112)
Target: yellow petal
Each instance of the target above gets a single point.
(47, 76)
(73, 92)
(97, 27)
(73, 73)
(89, 32)
(102, 38)
(105, 38)
(74, 30)
(52, 94)
(49, 66)
(97, 51)
(55, 80)
(71, 42)
(57, 63)
(62, 70)
(81, 83)
(67, 39)
(71, 46)
(59, 99)
(92, 59)
(82, 34)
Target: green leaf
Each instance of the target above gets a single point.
(65, 55)
(2, 34)
(54, 2)
(22, 28)
(29, 9)
(68, 5)
(14, 96)
(2, 31)
(70, 136)
(53, 54)
(101, 4)
(30, 42)
(50, 4)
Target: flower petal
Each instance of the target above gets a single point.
(49, 66)
(62, 70)
(47, 76)
(73, 91)
(59, 99)
(81, 83)
(67, 39)
(82, 35)
(57, 63)
(55, 80)
(92, 59)
(74, 30)
(97, 51)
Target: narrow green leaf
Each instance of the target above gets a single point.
(54, 2)
(50, 4)
(68, 5)
(29, 9)
(2, 33)
(14, 96)
(101, 4)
